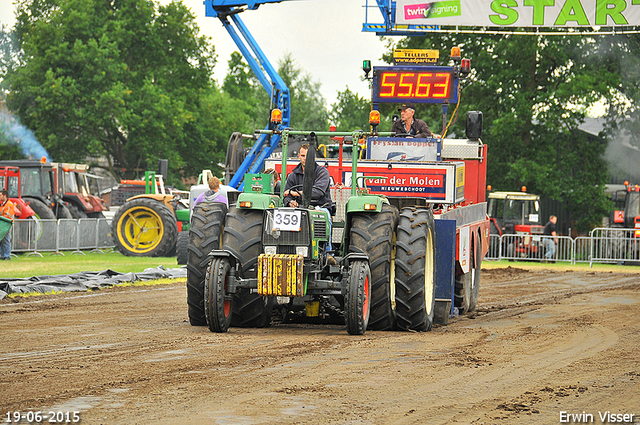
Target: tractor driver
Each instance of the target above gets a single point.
(320, 197)
(407, 125)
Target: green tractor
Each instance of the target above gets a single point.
(149, 224)
(271, 252)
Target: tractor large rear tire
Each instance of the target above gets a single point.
(144, 227)
(204, 236)
(43, 212)
(467, 286)
(415, 270)
(242, 237)
(374, 234)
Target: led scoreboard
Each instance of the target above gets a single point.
(418, 84)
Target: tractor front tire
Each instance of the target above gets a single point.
(144, 227)
(374, 234)
(204, 236)
(182, 247)
(62, 211)
(217, 304)
(415, 270)
(242, 237)
(358, 300)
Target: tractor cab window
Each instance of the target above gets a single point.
(70, 183)
(522, 211)
(493, 208)
(92, 185)
(513, 211)
(634, 205)
(31, 184)
(13, 186)
(532, 212)
(48, 182)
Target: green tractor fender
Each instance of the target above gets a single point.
(364, 203)
(258, 201)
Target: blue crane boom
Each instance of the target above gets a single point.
(227, 11)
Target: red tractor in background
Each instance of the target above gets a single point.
(629, 216)
(518, 214)
(10, 181)
(74, 186)
(37, 187)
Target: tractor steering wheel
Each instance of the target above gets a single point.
(297, 188)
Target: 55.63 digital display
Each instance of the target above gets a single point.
(425, 84)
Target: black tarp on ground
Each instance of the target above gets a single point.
(84, 281)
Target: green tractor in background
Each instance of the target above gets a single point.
(148, 225)
(271, 252)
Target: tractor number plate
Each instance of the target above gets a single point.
(287, 220)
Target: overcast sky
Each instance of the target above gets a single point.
(323, 36)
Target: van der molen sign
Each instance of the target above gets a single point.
(520, 13)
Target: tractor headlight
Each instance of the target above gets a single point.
(302, 250)
(270, 250)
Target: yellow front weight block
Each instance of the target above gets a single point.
(281, 275)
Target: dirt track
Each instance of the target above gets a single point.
(541, 343)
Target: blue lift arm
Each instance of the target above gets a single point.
(227, 11)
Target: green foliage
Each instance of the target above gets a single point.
(238, 82)
(308, 107)
(350, 112)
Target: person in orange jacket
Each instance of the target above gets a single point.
(7, 210)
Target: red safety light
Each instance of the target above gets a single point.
(276, 116)
(374, 117)
(626, 183)
(523, 188)
(43, 160)
(489, 188)
(332, 128)
(465, 66)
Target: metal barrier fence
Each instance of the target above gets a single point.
(603, 245)
(55, 236)
(614, 245)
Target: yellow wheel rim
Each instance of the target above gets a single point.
(140, 230)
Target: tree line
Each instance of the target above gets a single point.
(132, 81)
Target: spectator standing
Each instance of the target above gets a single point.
(550, 238)
(7, 210)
